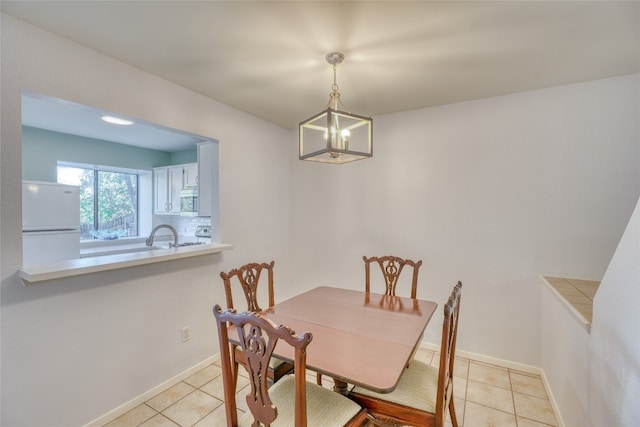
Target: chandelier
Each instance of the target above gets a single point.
(334, 135)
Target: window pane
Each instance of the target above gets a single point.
(117, 204)
(115, 212)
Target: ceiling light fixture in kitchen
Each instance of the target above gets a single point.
(335, 136)
(116, 120)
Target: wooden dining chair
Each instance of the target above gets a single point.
(292, 401)
(424, 393)
(248, 277)
(391, 268)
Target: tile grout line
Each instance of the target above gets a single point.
(580, 290)
(199, 388)
(513, 397)
(466, 391)
(156, 413)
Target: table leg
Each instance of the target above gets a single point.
(340, 386)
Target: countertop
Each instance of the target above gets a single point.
(43, 272)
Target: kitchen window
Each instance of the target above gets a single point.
(108, 199)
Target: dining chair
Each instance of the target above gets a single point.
(292, 401)
(424, 392)
(391, 268)
(248, 277)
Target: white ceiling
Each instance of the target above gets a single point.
(68, 117)
(267, 58)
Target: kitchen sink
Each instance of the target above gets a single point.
(130, 248)
(180, 245)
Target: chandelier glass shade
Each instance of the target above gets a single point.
(335, 135)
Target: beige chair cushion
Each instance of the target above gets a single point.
(274, 363)
(417, 388)
(325, 408)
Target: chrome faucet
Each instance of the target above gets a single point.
(149, 241)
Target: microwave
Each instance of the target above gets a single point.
(189, 202)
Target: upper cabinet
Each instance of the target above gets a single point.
(190, 175)
(167, 183)
(207, 177)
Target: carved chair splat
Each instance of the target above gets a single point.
(249, 277)
(256, 338)
(391, 268)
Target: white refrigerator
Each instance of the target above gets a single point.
(50, 222)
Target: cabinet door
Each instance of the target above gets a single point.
(175, 186)
(160, 190)
(190, 175)
(207, 178)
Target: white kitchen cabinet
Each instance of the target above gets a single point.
(190, 177)
(167, 183)
(207, 178)
(203, 176)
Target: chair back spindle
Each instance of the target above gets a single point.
(257, 337)
(391, 268)
(248, 277)
(447, 351)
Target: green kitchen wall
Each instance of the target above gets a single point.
(42, 149)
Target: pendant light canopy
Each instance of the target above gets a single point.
(335, 136)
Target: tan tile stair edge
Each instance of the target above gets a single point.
(577, 295)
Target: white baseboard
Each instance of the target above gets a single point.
(510, 365)
(139, 400)
(556, 410)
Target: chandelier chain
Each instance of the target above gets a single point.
(334, 96)
(334, 87)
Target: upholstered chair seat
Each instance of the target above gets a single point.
(325, 408)
(424, 393)
(417, 388)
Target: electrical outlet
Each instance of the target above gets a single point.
(186, 333)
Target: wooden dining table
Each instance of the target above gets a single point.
(359, 338)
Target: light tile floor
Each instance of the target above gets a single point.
(485, 396)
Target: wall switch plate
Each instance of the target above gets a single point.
(186, 333)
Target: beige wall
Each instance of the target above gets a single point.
(77, 348)
(493, 192)
(595, 377)
(497, 192)
(614, 351)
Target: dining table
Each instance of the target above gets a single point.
(359, 338)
